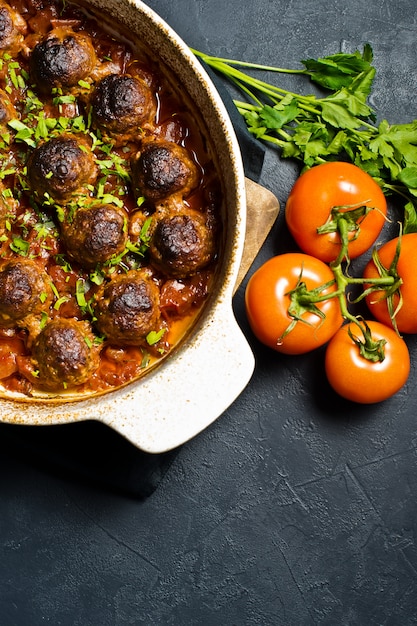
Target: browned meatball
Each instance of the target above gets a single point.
(62, 59)
(122, 105)
(12, 29)
(95, 234)
(61, 167)
(182, 242)
(163, 168)
(127, 308)
(64, 354)
(23, 290)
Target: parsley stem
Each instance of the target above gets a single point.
(247, 64)
(396, 189)
(242, 79)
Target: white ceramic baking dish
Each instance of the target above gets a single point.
(200, 379)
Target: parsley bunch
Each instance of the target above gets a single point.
(339, 125)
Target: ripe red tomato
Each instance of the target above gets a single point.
(323, 187)
(360, 380)
(267, 301)
(406, 318)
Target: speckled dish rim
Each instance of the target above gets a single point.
(192, 387)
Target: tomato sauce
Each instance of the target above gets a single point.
(31, 227)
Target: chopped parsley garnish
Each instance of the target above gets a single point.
(19, 246)
(154, 336)
(23, 132)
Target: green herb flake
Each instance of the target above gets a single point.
(96, 277)
(80, 290)
(78, 124)
(7, 172)
(19, 246)
(44, 319)
(6, 139)
(21, 81)
(60, 302)
(54, 290)
(108, 198)
(63, 99)
(13, 77)
(63, 122)
(154, 336)
(60, 212)
(145, 359)
(23, 132)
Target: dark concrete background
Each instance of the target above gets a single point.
(295, 508)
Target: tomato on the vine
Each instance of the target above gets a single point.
(358, 379)
(268, 298)
(324, 188)
(406, 269)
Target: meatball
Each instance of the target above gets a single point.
(121, 106)
(12, 29)
(23, 291)
(61, 167)
(95, 234)
(163, 168)
(127, 308)
(64, 354)
(182, 242)
(62, 59)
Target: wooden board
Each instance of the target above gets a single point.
(262, 211)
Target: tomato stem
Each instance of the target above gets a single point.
(345, 220)
(303, 300)
(369, 348)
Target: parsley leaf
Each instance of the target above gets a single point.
(341, 124)
(339, 70)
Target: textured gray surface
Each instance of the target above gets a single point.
(293, 509)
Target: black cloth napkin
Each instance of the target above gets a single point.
(90, 452)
